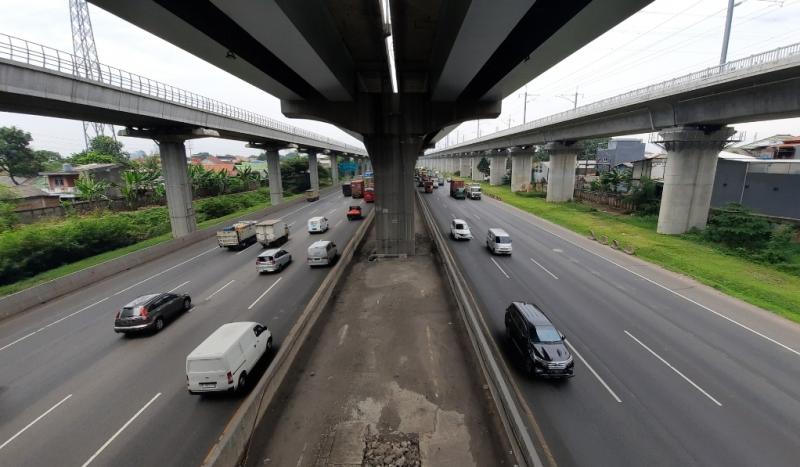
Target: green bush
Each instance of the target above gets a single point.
(736, 227)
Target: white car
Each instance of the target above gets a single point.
(460, 230)
(322, 253)
(273, 260)
(318, 224)
(498, 242)
(222, 361)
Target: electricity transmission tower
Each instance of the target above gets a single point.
(86, 63)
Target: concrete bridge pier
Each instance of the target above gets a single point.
(476, 174)
(334, 170)
(521, 166)
(692, 154)
(466, 166)
(313, 172)
(561, 179)
(273, 171)
(497, 168)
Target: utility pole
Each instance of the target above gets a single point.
(479, 128)
(723, 58)
(86, 58)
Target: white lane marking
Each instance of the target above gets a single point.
(291, 224)
(166, 270)
(264, 293)
(105, 445)
(336, 224)
(178, 287)
(315, 210)
(331, 211)
(51, 324)
(608, 388)
(220, 289)
(674, 369)
(243, 250)
(306, 206)
(743, 326)
(477, 216)
(34, 421)
(501, 269)
(343, 334)
(452, 215)
(544, 268)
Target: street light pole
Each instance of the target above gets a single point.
(727, 35)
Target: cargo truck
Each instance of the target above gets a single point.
(238, 235)
(357, 188)
(457, 190)
(272, 232)
(474, 192)
(346, 190)
(369, 195)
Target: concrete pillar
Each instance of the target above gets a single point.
(466, 166)
(178, 186)
(313, 172)
(521, 166)
(393, 158)
(274, 171)
(497, 168)
(334, 170)
(692, 155)
(369, 165)
(561, 179)
(476, 174)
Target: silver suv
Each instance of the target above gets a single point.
(273, 260)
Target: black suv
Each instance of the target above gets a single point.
(150, 312)
(537, 341)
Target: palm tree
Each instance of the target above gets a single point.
(248, 176)
(91, 190)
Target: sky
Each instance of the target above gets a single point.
(668, 38)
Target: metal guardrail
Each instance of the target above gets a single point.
(41, 56)
(691, 81)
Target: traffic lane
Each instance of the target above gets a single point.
(39, 318)
(51, 356)
(772, 436)
(107, 327)
(713, 340)
(279, 310)
(575, 413)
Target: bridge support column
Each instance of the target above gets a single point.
(692, 154)
(561, 179)
(497, 168)
(476, 174)
(275, 181)
(521, 166)
(394, 158)
(313, 172)
(466, 167)
(334, 170)
(178, 186)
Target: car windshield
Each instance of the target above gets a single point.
(502, 240)
(545, 334)
(461, 226)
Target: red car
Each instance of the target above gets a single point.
(369, 195)
(354, 212)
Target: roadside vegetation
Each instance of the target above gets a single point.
(740, 254)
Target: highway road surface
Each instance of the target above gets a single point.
(74, 393)
(668, 372)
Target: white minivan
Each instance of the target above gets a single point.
(498, 242)
(317, 224)
(322, 253)
(223, 361)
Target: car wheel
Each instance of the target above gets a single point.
(242, 382)
(187, 303)
(269, 344)
(159, 325)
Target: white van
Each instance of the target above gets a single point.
(322, 253)
(317, 224)
(498, 241)
(223, 361)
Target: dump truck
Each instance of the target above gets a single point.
(272, 232)
(239, 235)
(457, 189)
(346, 189)
(357, 188)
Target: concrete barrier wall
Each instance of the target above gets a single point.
(25, 299)
(233, 443)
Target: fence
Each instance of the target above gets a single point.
(609, 199)
(31, 53)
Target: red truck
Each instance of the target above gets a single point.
(369, 195)
(357, 188)
(457, 190)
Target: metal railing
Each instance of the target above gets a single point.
(37, 55)
(694, 80)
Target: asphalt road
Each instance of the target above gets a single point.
(668, 372)
(73, 392)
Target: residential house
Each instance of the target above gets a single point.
(216, 164)
(619, 152)
(28, 197)
(62, 183)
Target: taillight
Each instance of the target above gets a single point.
(118, 312)
(143, 312)
(230, 378)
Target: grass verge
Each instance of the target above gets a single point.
(109, 255)
(754, 283)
